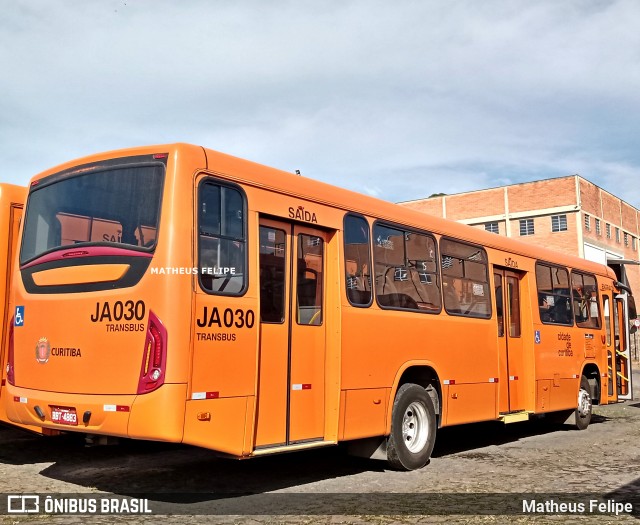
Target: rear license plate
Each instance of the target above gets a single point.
(64, 416)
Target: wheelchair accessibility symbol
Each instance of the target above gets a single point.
(537, 337)
(19, 317)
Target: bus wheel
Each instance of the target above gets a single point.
(585, 405)
(413, 428)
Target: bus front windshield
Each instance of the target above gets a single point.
(118, 206)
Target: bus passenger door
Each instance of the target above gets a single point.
(612, 396)
(622, 351)
(292, 334)
(510, 345)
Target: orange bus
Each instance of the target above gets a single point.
(12, 199)
(175, 293)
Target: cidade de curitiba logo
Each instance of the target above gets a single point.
(43, 350)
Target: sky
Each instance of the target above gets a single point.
(398, 100)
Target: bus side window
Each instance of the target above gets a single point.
(388, 253)
(465, 279)
(357, 258)
(607, 318)
(499, 313)
(221, 239)
(585, 300)
(422, 271)
(406, 270)
(554, 301)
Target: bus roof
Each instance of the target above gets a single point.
(248, 172)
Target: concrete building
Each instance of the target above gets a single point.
(568, 214)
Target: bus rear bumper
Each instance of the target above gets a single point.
(158, 415)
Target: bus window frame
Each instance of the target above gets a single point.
(487, 277)
(283, 318)
(138, 161)
(597, 301)
(322, 281)
(371, 263)
(407, 229)
(209, 179)
(606, 319)
(569, 296)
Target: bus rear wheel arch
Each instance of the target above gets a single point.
(579, 417)
(588, 395)
(413, 428)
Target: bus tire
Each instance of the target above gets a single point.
(585, 405)
(413, 428)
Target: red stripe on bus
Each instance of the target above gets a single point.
(89, 251)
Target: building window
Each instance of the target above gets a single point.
(634, 243)
(626, 239)
(608, 228)
(617, 234)
(491, 227)
(598, 228)
(526, 227)
(587, 222)
(559, 223)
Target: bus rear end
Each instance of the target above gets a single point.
(94, 352)
(11, 206)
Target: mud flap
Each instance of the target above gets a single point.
(371, 448)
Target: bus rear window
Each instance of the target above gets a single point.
(114, 206)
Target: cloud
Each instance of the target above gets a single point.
(389, 99)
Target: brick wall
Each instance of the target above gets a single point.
(542, 194)
(475, 204)
(432, 206)
(564, 241)
(629, 219)
(610, 208)
(590, 198)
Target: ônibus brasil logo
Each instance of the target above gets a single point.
(43, 350)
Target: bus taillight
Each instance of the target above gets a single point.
(11, 377)
(154, 357)
(157, 347)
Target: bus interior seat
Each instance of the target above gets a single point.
(451, 300)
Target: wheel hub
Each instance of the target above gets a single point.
(584, 403)
(415, 427)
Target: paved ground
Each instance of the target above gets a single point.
(474, 462)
